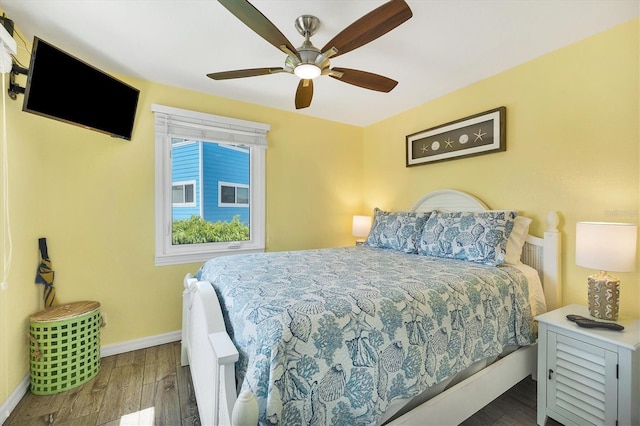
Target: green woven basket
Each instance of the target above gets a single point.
(65, 347)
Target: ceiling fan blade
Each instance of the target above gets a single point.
(225, 75)
(254, 19)
(365, 79)
(304, 94)
(371, 26)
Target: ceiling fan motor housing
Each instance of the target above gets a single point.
(307, 25)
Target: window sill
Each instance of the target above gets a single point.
(183, 258)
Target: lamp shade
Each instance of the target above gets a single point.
(361, 226)
(606, 246)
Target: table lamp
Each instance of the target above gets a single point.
(360, 228)
(605, 247)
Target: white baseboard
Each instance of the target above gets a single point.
(145, 342)
(132, 345)
(12, 401)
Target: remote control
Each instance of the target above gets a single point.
(574, 317)
(589, 323)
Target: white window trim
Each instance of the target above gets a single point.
(235, 185)
(184, 183)
(175, 122)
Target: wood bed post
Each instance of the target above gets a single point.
(551, 279)
(245, 411)
(186, 296)
(212, 355)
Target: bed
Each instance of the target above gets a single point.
(358, 335)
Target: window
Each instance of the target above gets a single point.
(182, 194)
(210, 173)
(233, 195)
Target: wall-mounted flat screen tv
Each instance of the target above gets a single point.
(64, 88)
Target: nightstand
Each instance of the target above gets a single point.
(587, 375)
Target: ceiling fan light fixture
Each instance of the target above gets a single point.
(307, 71)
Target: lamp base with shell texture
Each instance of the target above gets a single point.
(603, 294)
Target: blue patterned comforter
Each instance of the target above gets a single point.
(332, 336)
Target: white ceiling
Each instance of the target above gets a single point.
(446, 45)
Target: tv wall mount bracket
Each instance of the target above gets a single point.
(14, 89)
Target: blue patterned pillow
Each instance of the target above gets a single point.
(396, 230)
(477, 237)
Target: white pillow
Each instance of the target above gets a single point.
(516, 240)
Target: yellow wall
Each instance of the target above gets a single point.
(93, 196)
(572, 146)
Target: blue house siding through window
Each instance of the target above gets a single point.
(185, 168)
(230, 165)
(212, 166)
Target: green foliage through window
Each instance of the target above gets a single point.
(196, 230)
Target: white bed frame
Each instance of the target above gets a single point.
(211, 355)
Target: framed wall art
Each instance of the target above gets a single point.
(478, 134)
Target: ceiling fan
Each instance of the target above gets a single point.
(307, 61)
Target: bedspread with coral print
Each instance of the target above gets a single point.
(332, 336)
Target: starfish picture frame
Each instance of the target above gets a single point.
(477, 134)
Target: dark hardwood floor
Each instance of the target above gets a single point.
(149, 387)
(517, 406)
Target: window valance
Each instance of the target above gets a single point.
(176, 122)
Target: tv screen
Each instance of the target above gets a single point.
(64, 88)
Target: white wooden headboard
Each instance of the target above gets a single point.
(542, 254)
(449, 200)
